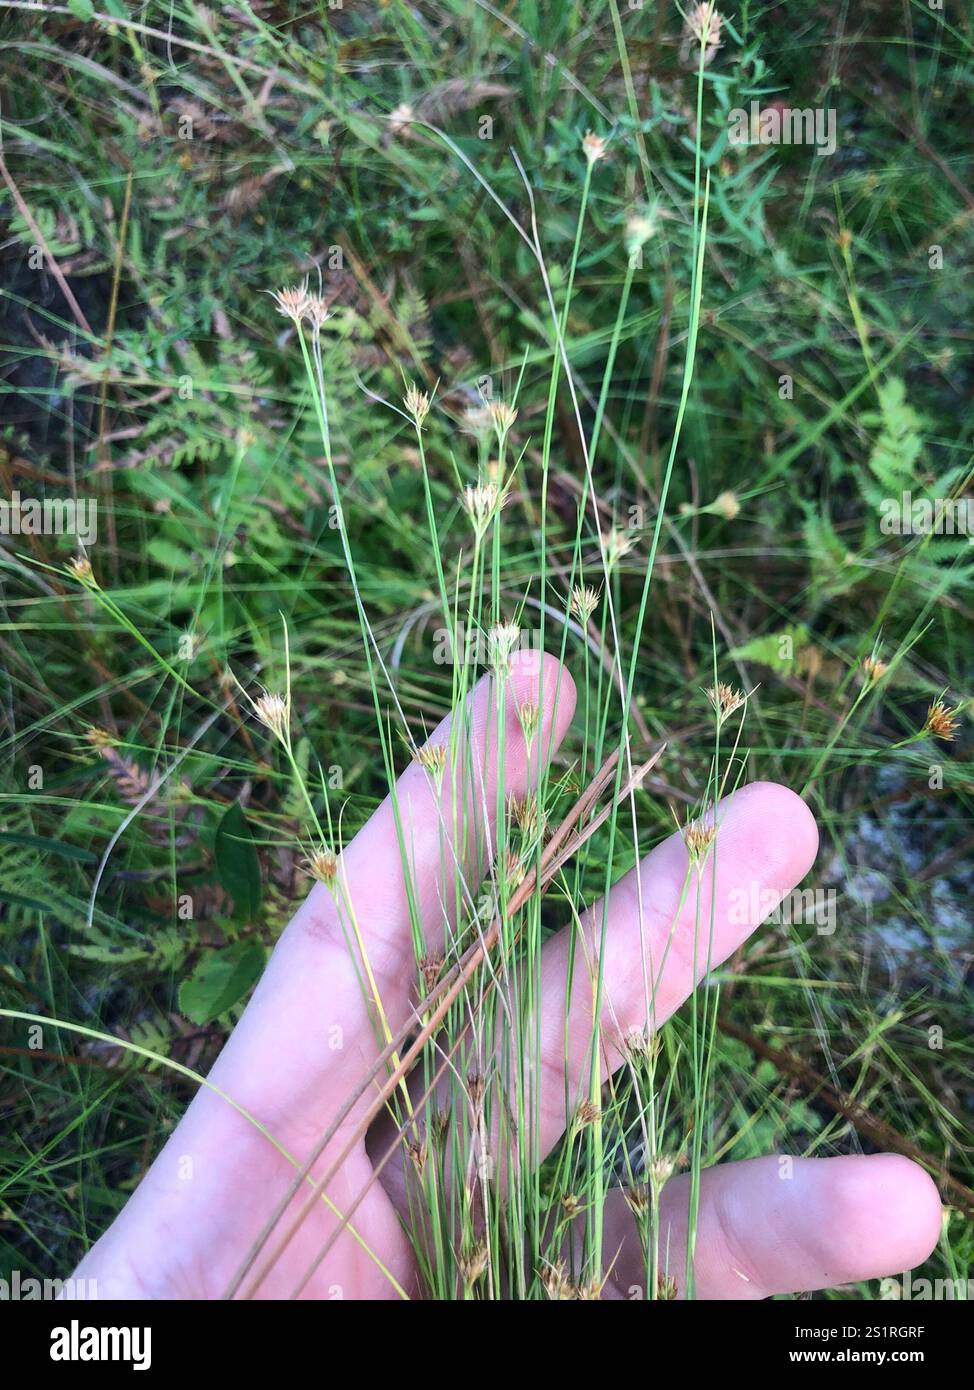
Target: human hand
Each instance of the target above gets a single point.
(202, 1208)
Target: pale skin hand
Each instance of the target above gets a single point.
(206, 1198)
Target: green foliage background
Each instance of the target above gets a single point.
(178, 163)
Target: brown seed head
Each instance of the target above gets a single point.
(941, 721)
(702, 29)
(99, 738)
(530, 820)
(617, 545)
(727, 505)
(432, 758)
(529, 715)
(725, 700)
(316, 311)
(556, 1283)
(417, 404)
(80, 568)
(502, 416)
(473, 1263)
(418, 1154)
(698, 837)
(662, 1169)
(481, 503)
(429, 970)
(584, 602)
(594, 146)
(475, 1090)
(512, 866)
(322, 864)
(586, 1114)
(502, 643)
(401, 119)
(292, 301)
(639, 1045)
(638, 1199)
(437, 1125)
(272, 711)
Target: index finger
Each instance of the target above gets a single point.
(345, 972)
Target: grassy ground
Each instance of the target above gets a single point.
(176, 163)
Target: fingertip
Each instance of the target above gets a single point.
(788, 1225)
(906, 1204)
(782, 827)
(874, 1215)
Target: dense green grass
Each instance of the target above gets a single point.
(180, 164)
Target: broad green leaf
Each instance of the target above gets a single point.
(220, 979)
(237, 863)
